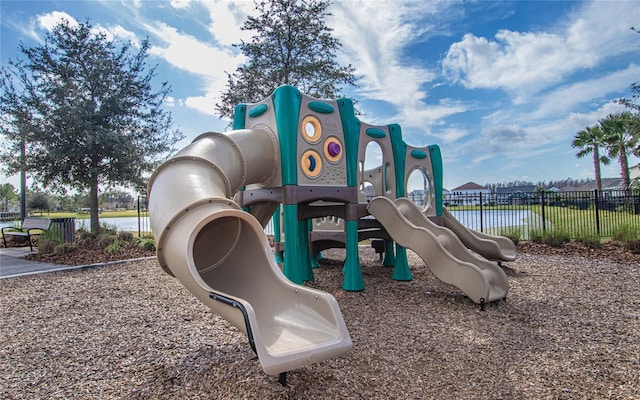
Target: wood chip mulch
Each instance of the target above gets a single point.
(570, 328)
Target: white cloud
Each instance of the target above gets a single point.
(180, 4)
(170, 101)
(226, 19)
(577, 121)
(523, 63)
(374, 36)
(189, 54)
(117, 32)
(451, 135)
(570, 96)
(50, 20)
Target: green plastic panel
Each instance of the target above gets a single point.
(438, 176)
(239, 116)
(418, 154)
(376, 133)
(321, 107)
(351, 129)
(399, 148)
(258, 110)
(286, 104)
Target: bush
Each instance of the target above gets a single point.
(590, 240)
(556, 238)
(512, 233)
(115, 247)
(108, 229)
(629, 237)
(84, 234)
(536, 236)
(626, 232)
(633, 245)
(64, 248)
(49, 240)
(125, 236)
(146, 243)
(106, 240)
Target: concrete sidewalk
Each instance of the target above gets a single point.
(13, 264)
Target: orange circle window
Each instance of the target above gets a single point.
(311, 163)
(333, 149)
(311, 129)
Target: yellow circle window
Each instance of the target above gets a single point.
(311, 129)
(311, 163)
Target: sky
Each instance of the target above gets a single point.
(501, 86)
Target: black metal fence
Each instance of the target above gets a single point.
(144, 225)
(576, 214)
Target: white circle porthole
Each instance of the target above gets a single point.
(311, 129)
(311, 163)
(333, 149)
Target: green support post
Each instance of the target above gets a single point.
(401, 272)
(352, 273)
(297, 267)
(389, 254)
(277, 237)
(314, 257)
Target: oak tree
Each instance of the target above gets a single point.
(86, 111)
(291, 45)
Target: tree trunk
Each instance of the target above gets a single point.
(94, 206)
(596, 165)
(624, 168)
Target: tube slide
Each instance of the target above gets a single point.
(445, 255)
(221, 254)
(496, 248)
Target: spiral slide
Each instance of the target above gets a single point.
(441, 250)
(496, 248)
(221, 254)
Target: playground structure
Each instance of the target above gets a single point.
(301, 161)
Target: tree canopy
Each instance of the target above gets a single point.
(589, 141)
(8, 195)
(87, 112)
(620, 141)
(291, 45)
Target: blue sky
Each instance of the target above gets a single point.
(501, 87)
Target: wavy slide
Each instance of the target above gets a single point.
(496, 248)
(221, 254)
(441, 250)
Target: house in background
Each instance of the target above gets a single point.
(418, 196)
(469, 194)
(634, 175)
(607, 184)
(513, 194)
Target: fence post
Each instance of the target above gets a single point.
(139, 230)
(544, 219)
(481, 230)
(596, 197)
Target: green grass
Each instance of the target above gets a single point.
(104, 214)
(580, 222)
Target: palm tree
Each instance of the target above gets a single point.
(589, 140)
(620, 141)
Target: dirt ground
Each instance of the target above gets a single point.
(570, 328)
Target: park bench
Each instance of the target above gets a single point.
(30, 227)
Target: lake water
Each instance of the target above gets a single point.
(491, 220)
(127, 224)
